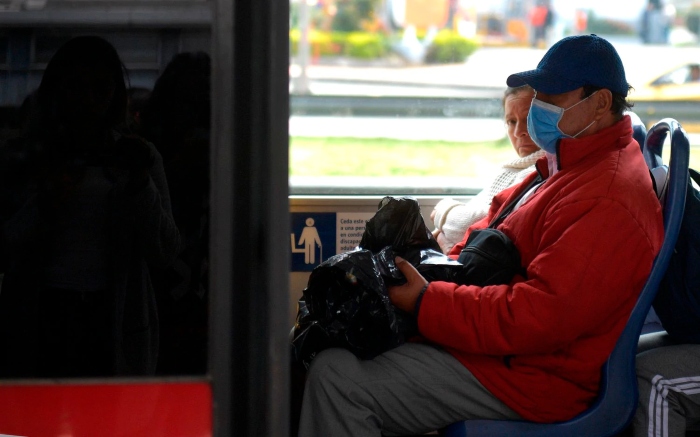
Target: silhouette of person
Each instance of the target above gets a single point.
(654, 23)
(541, 20)
(89, 218)
(310, 238)
(176, 119)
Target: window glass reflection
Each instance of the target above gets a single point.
(104, 146)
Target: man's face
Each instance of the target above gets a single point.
(577, 117)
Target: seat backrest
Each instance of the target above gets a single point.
(639, 130)
(619, 374)
(617, 400)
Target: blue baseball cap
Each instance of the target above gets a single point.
(573, 62)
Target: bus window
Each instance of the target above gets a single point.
(104, 186)
(389, 96)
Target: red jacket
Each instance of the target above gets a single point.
(588, 237)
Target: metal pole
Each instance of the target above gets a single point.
(301, 82)
(249, 218)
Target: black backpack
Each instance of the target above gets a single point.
(678, 300)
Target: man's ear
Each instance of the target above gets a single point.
(604, 100)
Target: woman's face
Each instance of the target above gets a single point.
(516, 108)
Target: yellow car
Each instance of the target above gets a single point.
(663, 73)
(666, 82)
(680, 83)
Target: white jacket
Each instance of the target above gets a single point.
(452, 218)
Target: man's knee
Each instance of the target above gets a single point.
(326, 369)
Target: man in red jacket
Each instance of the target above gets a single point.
(531, 349)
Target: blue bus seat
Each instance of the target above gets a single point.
(617, 401)
(639, 130)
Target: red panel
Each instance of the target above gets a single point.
(169, 409)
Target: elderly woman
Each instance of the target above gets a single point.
(452, 218)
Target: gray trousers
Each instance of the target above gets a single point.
(412, 389)
(669, 390)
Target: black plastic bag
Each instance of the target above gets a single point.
(398, 223)
(431, 264)
(346, 305)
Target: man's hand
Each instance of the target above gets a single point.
(405, 296)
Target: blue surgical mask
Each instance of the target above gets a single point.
(543, 124)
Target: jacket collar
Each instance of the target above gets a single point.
(571, 151)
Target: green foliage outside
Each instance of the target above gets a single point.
(365, 45)
(321, 43)
(450, 47)
(379, 157)
(447, 47)
(352, 14)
